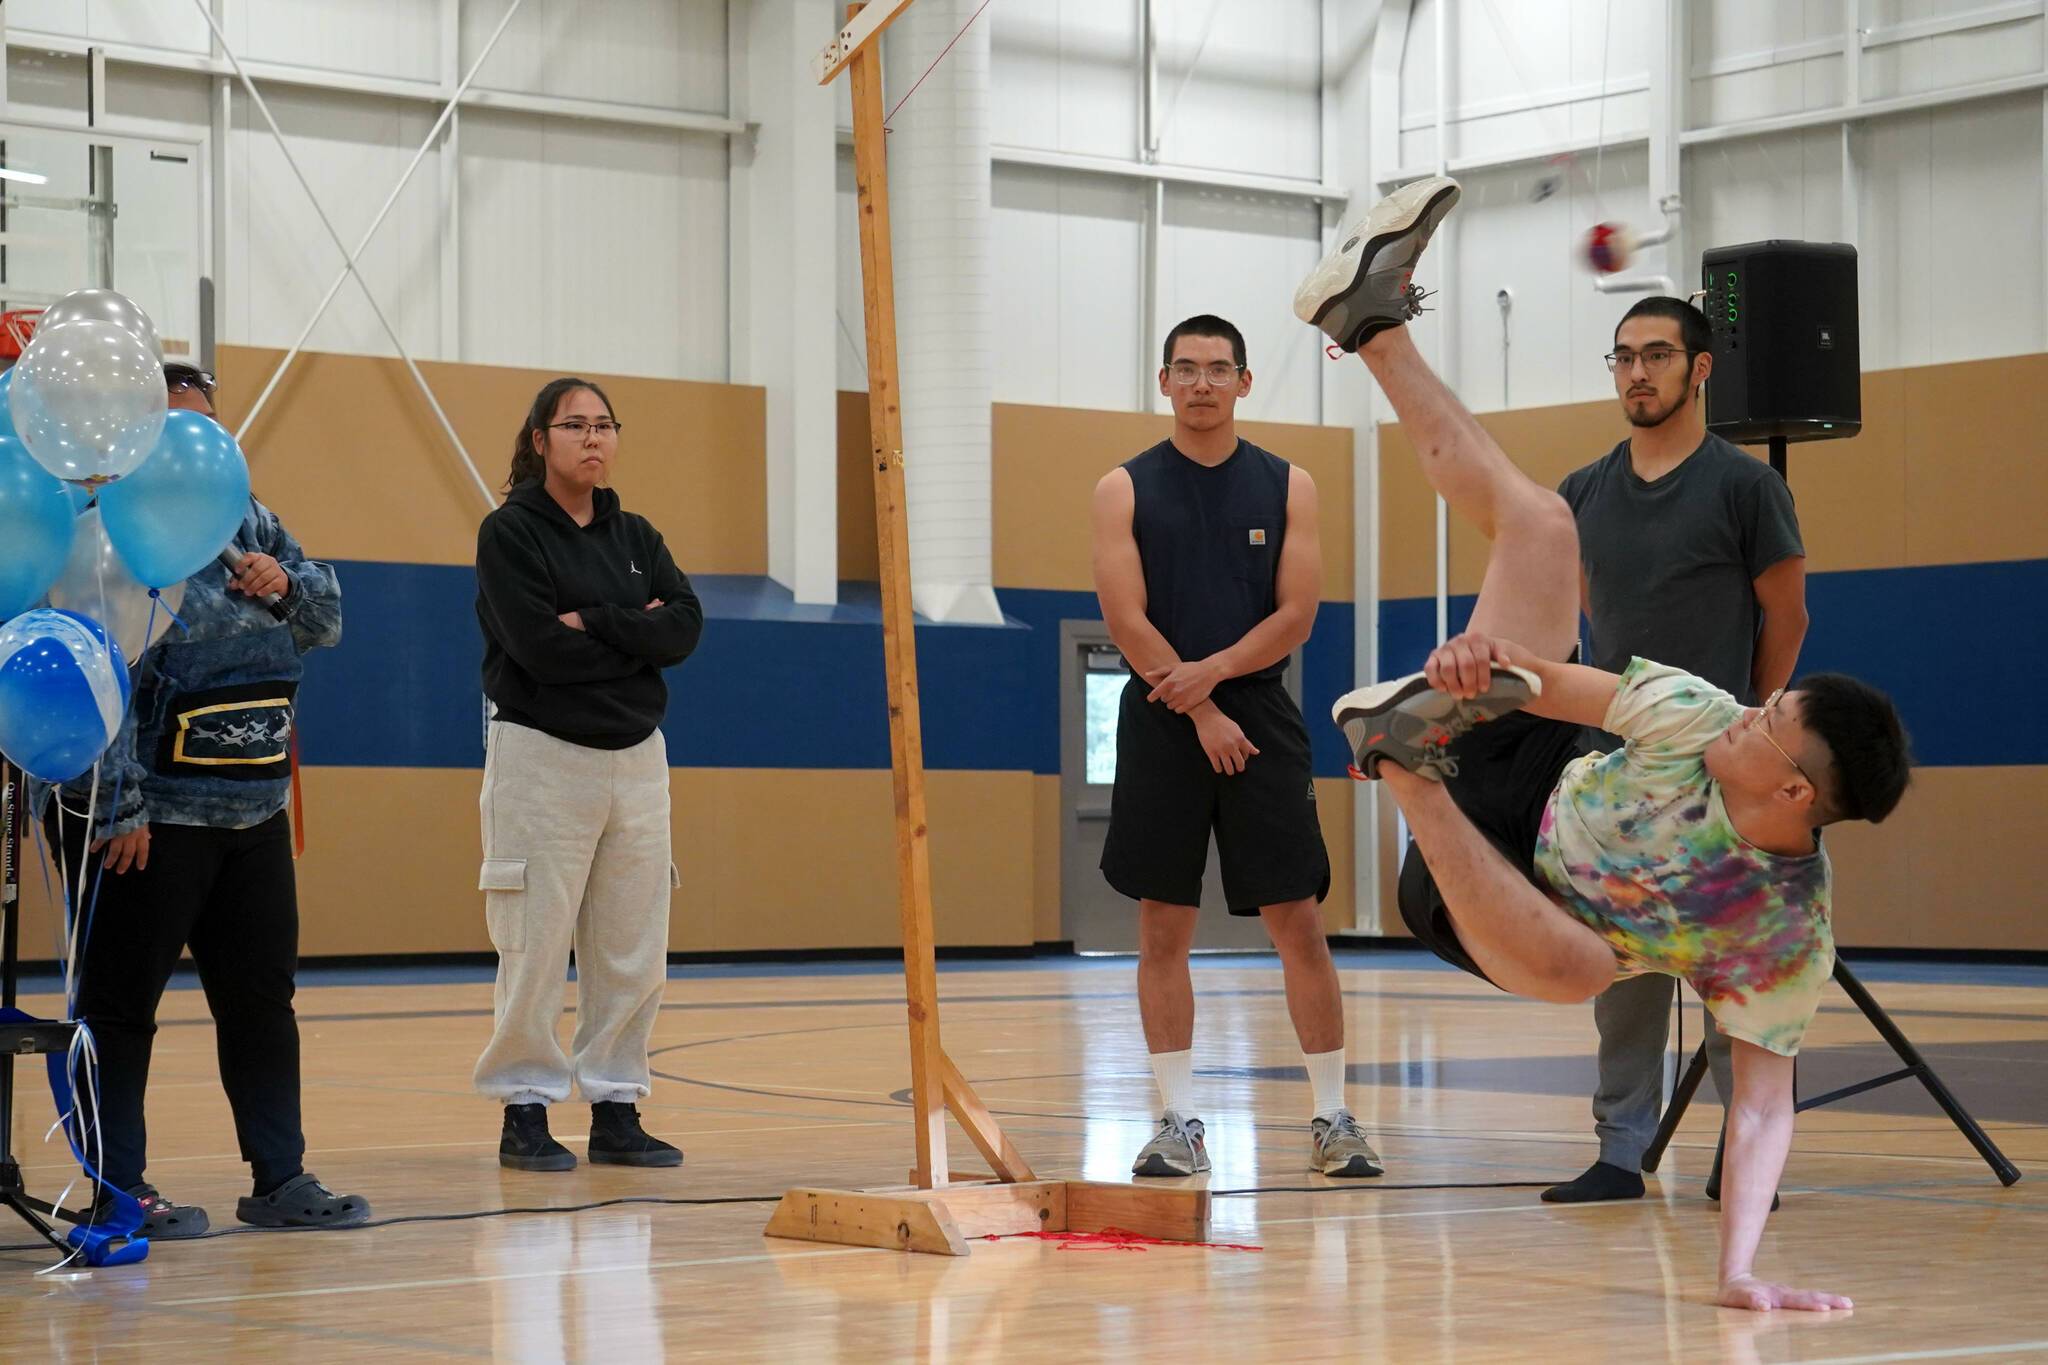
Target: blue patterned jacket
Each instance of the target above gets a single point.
(207, 737)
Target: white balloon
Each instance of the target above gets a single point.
(88, 399)
(103, 305)
(96, 583)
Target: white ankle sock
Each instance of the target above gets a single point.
(1175, 1074)
(1326, 1081)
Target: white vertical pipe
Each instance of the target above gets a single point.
(940, 184)
(1443, 334)
(449, 177)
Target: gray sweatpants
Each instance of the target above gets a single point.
(1634, 1018)
(576, 850)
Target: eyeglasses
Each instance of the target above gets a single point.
(1763, 717)
(184, 378)
(576, 428)
(1218, 375)
(1654, 358)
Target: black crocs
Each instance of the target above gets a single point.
(303, 1202)
(162, 1221)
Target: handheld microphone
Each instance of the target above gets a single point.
(233, 558)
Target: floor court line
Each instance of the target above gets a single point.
(403, 1286)
(1946, 1353)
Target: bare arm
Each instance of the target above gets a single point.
(1120, 578)
(1781, 592)
(1759, 1136)
(1463, 666)
(1297, 591)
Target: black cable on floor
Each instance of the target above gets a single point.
(472, 1215)
(467, 1216)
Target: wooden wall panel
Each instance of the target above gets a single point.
(349, 454)
(770, 859)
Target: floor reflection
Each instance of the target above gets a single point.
(571, 1288)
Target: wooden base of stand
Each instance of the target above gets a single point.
(943, 1221)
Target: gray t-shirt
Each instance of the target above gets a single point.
(1671, 565)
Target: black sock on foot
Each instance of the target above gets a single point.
(1601, 1180)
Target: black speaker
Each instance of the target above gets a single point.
(1785, 352)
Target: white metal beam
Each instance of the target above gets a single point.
(389, 87)
(369, 295)
(1868, 109)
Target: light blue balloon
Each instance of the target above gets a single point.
(7, 404)
(180, 508)
(35, 528)
(63, 691)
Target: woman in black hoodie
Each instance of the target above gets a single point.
(581, 608)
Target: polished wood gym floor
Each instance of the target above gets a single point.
(776, 1077)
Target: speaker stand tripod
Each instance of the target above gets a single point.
(1916, 1066)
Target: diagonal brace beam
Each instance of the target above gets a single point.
(350, 267)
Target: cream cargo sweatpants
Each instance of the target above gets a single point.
(576, 849)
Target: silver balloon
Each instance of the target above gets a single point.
(88, 399)
(103, 305)
(97, 584)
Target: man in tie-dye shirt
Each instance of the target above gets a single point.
(1637, 844)
(1550, 871)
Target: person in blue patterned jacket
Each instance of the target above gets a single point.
(189, 823)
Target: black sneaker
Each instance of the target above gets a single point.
(617, 1139)
(1410, 724)
(526, 1144)
(1363, 286)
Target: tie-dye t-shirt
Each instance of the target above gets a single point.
(1638, 844)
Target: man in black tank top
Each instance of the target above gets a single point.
(1209, 571)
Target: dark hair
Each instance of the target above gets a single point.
(1206, 325)
(526, 461)
(1693, 332)
(1868, 761)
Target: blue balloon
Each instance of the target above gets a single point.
(180, 508)
(63, 691)
(35, 528)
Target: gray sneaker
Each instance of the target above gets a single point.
(1410, 724)
(1176, 1149)
(1363, 285)
(1338, 1147)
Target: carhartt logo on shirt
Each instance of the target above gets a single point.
(1258, 537)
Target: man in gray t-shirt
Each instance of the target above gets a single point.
(1690, 555)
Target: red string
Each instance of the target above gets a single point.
(935, 63)
(1116, 1239)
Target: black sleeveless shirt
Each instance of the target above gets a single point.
(1209, 538)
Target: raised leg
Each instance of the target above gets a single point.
(1531, 590)
(1523, 940)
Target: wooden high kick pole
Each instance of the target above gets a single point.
(935, 1215)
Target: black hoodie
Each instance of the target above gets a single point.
(600, 686)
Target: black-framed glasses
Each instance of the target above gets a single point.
(1763, 720)
(1222, 372)
(576, 428)
(178, 378)
(1655, 358)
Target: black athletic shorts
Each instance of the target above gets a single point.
(1167, 798)
(1507, 769)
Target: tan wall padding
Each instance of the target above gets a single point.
(770, 859)
(350, 455)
